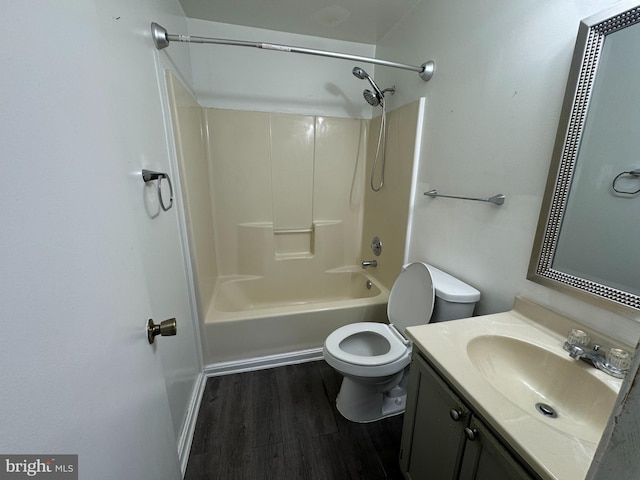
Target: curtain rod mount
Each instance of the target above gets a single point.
(161, 40)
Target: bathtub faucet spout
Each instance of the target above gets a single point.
(369, 263)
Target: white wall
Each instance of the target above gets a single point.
(491, 118)
(246, 78)
(80, 115)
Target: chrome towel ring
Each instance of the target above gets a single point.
(149, 176)
(634, 174)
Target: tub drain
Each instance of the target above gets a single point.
(546, 410)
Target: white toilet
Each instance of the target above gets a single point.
(374, 357)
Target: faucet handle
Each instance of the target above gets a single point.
(575, 351)
(578, 337)
(618, 359)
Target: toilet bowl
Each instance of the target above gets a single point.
(374, 357)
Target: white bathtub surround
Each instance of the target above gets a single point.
(190, 142)
(288, 171)
(276, 232)
(282, 302)
(387, 213)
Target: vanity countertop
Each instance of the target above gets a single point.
(545, 444)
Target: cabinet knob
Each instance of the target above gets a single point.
(456, 415)
(470, 433)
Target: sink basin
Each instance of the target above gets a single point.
(527, 375)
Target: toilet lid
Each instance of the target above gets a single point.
(411, 299)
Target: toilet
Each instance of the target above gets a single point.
(374, 357)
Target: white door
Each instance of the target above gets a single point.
(136, 86)
(77, 373)
(159, 234)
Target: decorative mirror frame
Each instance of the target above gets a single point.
(592, 33)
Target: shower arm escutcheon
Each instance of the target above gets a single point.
(161, 40)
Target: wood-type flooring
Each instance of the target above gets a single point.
(282, 424)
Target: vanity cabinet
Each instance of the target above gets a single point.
(442, 439)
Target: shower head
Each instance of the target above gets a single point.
(376, 97)
(359, 73)
(371, 98)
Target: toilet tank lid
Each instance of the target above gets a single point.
(452, 289)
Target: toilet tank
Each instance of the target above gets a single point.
(454, 299)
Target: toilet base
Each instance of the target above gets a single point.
(364, 403)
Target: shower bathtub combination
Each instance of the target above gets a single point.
(282, 302)
(277, 208)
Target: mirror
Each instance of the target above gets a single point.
(588, 237)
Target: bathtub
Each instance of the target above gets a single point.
(258, 316)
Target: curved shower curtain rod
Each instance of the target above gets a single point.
(161, 39)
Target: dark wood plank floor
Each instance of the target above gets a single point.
(282, 424)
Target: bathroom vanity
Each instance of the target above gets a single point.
(497, 397)
(443, 438)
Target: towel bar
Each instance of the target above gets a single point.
(497, 199)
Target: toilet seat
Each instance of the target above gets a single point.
(370, 349)
(351, 353)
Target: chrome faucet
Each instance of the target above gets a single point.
(575, 351)
(595, 358)
(369, 263)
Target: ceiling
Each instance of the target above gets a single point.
(363, 21)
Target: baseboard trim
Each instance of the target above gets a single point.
(261, 363)
(189, 427)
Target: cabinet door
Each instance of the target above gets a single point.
(486, 459)
(433, 433)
